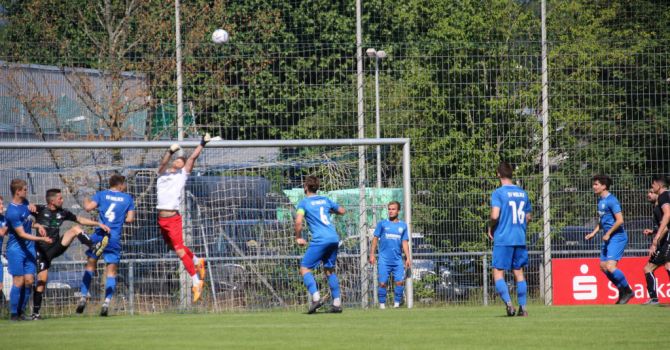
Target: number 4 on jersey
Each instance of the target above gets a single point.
(109, 214)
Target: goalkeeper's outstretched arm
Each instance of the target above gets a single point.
(190, 162)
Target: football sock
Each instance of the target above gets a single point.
(14, 296)
(620, 278)
(521, 291)
(188, 264)
(189, 253)
(398, 292)
(196, 260)
(27, 290)
(37, 301)
(110, 287)
(86, 283)
(610, 277)
(503, 291)
(334, 285)
(310, 283)
(337, 302)
(85, 239)
(651, 284)
(381, 294)
(195, 278)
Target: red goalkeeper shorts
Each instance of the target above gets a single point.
(171, 231)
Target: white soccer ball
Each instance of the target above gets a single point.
(220, 36)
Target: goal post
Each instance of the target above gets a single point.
(240, 201)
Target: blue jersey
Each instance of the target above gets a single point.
(608, 206)
(514, 204)
(391, 235)
(16, 216)
(113, 207)
(3, 224)
(316, 210)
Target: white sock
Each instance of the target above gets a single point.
(195, 260)
(316, 296)
(337, 302)
(195, 279)
(396, 304)
(107, 301)
(382, 306)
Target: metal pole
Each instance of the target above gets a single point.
(485, 276)
(180, 92)
(131, 288)
(377, 125)
(184, 292)
(362, 222)
(546, 215)
(407, 199)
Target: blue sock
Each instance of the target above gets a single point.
(27, 290)
(503, 291)
(398, 292)
(310, 283)
(620, 278)
(334, 285)
(110, 287)
(381, 294)
(521, 291)
(611, 278)
(86, 283)
(14, 296)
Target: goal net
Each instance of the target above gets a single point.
(238, 211)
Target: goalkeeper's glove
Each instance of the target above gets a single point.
(205, 138)
(174, 148)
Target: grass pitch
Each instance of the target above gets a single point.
(597, 327)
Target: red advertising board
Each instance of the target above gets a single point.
(580, 281)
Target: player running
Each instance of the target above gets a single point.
(169, 187)
(659, 251)
(510, 214)
(48, 220)
(392, 237)
(20, 249)
(615, 237)
(323, 246)
(115, 207)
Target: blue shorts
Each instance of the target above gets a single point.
(21, 262)
(509, 257)
(112, 253)
(326, 253)
(613, 249)
(2, 270)
(384, 269)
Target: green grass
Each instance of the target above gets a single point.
(597, 327)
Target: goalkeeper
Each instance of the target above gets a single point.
(169, 187)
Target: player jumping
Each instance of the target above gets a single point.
(115, 207)
(393, 239)
(169, 187)
(615, 237)
(323, 246)
(48, 220)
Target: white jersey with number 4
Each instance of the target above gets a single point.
(169, 188)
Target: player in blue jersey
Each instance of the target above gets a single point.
(510, 214)
(615, 238)
(115, 207)
(20, 249)
(323, 246)
(393, 240)
(3, 231)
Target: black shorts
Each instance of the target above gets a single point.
(661, 255)
(45, 254)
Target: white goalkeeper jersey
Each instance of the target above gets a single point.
(169, 188)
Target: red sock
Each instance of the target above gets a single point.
(188, 264)
(188, 252)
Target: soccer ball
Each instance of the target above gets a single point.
(220, 36)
